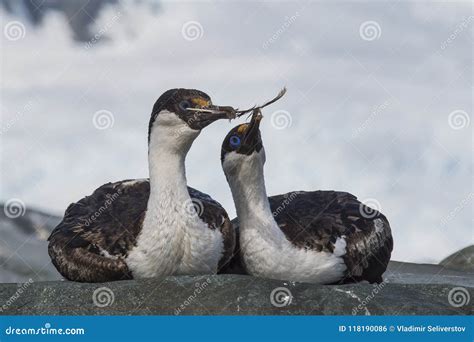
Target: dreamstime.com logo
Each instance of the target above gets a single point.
(103, 208)
(362, 306)
(192, 30)
(281, 119)
(21, 289)
(458, 119)
(103, 30)
(14, 208)
(46, 330)
(193, 207)
(200, 287)
(27, 108)
(14, 30)
(452, 214)
(288, 199)
(102, 297)
(370, 30)
(280, 297)
(369, 208)
(103, 119)
(458, 296)
(284, 27)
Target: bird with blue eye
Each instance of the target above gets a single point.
(321, 237)
(236, 139)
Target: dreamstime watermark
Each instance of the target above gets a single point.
(458, 119)
(376, 112)
(103, 30)
(16, 295)
(102, 297)
(362, 306)
(46, 330)
(370, 30)
(280, 297)
(193, 207)
(199, 288)
(281, 30)
(14, 30)
(369, 208)
(464, 202)
(14, 208)
(457, 31)
(458, 297)
(284, 204)
(103, 119)
(19, 114)
(192, 30)
(281, 119)
(107, 203)
(184, 128)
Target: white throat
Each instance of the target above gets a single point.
(266, 250)
(170, 140)
(246, 179)
(170, 233)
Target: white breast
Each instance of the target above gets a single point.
(266, 250)
(174, 242)
(269, 256)
(203, 249)
(173, 239)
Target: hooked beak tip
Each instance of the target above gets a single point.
(228, 111)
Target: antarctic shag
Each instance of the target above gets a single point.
(318, 237)
(149, 228)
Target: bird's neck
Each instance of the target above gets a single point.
(167, 150)
(251, 200)
(264, 246)
(159, 247)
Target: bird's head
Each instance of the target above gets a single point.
(178, 117)
(191, 107)
(242, 148)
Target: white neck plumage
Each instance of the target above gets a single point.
(266, 250)
(158, 251)
(247, 182)
(170, 141)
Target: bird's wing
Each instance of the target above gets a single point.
(315, 220)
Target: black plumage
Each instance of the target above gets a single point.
(97, 232)
(315, 219)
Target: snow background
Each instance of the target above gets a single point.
(370, 117)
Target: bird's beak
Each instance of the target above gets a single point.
(252, 134)
(207, 115)
(217, 112)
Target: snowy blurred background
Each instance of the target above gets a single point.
(379, 103)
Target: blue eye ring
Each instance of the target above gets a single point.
(234, 141)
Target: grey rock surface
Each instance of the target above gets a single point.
(230, 295)
(462, 260)
(408, 289)
(410, 273)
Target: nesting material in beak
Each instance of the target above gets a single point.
(282, 92)
(227, 111)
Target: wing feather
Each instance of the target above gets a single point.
(92, 241)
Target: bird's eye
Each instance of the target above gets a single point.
(183, 105)
(234, 141)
